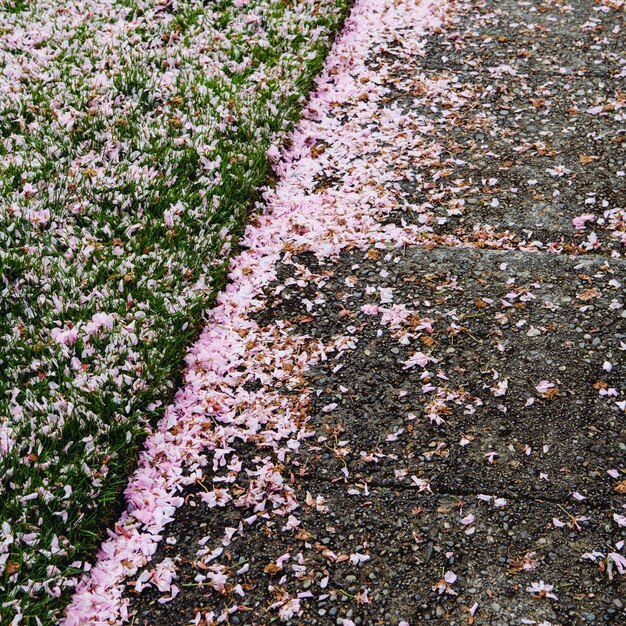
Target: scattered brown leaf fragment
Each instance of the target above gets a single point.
(317, 150)
(588, 294)
(585, 159)
(621, 487)
(12, 568)
(552, 394)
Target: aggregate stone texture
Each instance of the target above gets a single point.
(533, 132)
(465, 418)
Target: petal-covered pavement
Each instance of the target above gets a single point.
(408, 405)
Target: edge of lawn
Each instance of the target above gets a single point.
(113, 492)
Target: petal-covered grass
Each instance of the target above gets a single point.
(134, 136)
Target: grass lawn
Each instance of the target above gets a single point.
(133, 137)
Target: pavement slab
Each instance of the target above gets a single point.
(487, 329)
(408, 405)
(532, 133)
(495, 557)
(464, 464)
